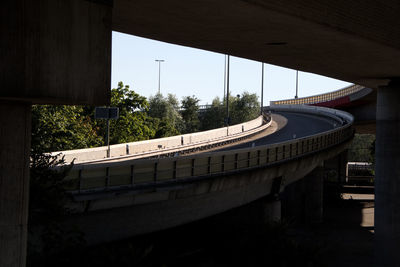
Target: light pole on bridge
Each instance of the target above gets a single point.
(159, 73)
(227, 93)
(262, 87)
(297, 83)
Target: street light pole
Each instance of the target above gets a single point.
(224, 77)
(227, 94)
(297, 83)
(262, 87)
(159, 73)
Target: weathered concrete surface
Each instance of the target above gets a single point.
(55, 51)
(387, 177)
(15, 135)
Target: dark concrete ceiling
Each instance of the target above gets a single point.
(356, 41)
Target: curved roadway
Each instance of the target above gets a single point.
(298, 125)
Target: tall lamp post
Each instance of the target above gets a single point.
(297, 83)
(227, 93)
(262, 87)
(159, 73)
(224, 76)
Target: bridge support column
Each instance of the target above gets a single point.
(15, 136)
(314, 183)
(303, 200)
(342, 162)
(272, 211)
(387, 176)
(338, 165)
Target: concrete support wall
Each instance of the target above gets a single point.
(314, 183)
(387, 177)
(338, 166)
(15, 134)
(343, 159)
(302, 201)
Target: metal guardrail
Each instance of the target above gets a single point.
(320, 98)
(136, 174)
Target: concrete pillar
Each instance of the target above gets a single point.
(303, 200)
(387, 176)
(293, 202)
(342, 162)
(314, 196)
(272, 211)
(338, 165)
(15, 136)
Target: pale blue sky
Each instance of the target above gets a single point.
(189, 71)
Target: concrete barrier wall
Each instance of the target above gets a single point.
(106, 175)
(321, 97)
(159, 144)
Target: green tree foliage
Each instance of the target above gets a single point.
(48, 236)
(362, 148)
(56, 128)
(213, 117)
(133, 123)
(242, 108)
(190, 114)
(165, 111)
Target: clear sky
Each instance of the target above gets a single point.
(189, 71)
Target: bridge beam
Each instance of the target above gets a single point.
(15, 135)
(387, 176)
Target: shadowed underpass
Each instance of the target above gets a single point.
(240, 238)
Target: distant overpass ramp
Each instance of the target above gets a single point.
(358, 100)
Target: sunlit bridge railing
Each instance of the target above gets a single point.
(320, 98)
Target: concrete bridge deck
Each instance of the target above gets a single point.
(131, 197)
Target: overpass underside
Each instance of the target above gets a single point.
(133, 212)
(59, 52)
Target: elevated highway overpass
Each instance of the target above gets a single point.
(47, 58)
(358, 100)
(135, 196)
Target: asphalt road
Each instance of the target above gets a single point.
(298, 125)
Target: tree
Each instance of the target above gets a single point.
(244, 108)
(241, 109)
(362, 148)
(166, 111)
(133, 123)
(190, 114)
(213, 117)
(56, 128)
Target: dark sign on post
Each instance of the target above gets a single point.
(107, 113)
